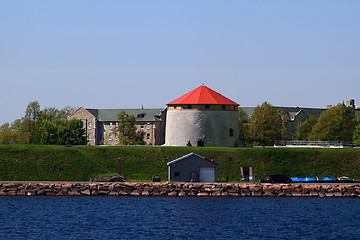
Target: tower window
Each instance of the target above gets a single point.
(231, 132)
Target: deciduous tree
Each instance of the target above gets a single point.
(335, 124)
(266, 124)
(356, 137)
(304, 129)
(127, 130)
(244, 132)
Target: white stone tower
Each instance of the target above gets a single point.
(202, 117)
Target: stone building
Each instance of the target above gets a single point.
(100, 124)
(202, 117)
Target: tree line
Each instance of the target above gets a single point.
(47, 126)
(268, 124)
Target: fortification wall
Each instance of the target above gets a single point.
(179, 189)
(211, 126)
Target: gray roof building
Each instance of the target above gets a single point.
(192, 168)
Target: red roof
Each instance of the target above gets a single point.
(203, 95)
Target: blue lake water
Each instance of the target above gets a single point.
(178, 218)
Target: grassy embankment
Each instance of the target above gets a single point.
(139, 163)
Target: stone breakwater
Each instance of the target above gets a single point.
(178, 189)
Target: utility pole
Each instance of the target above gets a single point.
(227, 172)
(119, 165)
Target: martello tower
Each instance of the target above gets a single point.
(202, 117)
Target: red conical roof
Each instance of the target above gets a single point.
(203, 95)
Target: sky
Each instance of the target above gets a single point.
(129, 54)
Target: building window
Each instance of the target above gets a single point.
(110, 136)
(207, 106)
(110, 125)
(142, 126)
(117, 125)
(231, 132)
(148, 136)
(234, 107)
(89, 125)
(148, 126)
(175, 106)
(189, 106)
(177, 174)
(89, 136)
(223, 106)
(116, 136)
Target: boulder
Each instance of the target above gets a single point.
(182, 194)
(145, 193)
(173, 193)
(155, 193)
(113, 193)
(257, 194)
(86, 192)
(224, 194)
(216, 194)
(329, 194)
(202, 194)
(296, 194)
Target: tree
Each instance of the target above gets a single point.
(244, 133)
(49, 114)
(71, 132)
(356, 137)
(49, 133)
(304, 128)
(266, 124)
(32, 113)
(62, 132)
(335, 124)
(65, 112)
(127, 130)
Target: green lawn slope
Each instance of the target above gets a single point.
(139, 163)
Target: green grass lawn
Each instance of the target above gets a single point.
(140, 163)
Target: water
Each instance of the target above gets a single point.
(178, 218)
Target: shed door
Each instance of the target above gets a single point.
(207, 174)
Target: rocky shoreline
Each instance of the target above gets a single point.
(179, 189)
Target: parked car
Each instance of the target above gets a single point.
(276, 178)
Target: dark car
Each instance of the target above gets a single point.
(276, 178)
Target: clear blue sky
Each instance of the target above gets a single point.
(125, 54)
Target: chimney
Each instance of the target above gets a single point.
(350, 103)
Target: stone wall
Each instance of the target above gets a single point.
(179, 189)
